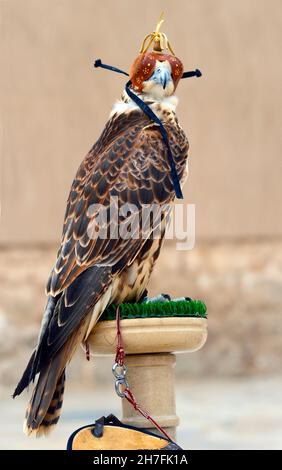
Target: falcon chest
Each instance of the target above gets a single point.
(132, 282)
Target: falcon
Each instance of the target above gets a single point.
(129, 163)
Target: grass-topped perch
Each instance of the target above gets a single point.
(191, 308)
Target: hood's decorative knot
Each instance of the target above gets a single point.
(159, 39)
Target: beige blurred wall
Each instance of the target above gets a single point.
(54, 105)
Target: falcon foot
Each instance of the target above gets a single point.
(182, 299)
(163, 298)
(158, 298)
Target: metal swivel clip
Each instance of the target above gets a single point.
(121, 384)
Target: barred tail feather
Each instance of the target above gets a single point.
(52, 415)
(45, 405)
(54, 411)
(44, 409)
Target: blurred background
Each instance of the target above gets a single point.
(53, 108)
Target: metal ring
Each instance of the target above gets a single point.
(119, 374)
(118, 383)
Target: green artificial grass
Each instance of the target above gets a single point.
(192, 308)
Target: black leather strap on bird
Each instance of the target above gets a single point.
(98, 63)
(148, 111)
(127, 393)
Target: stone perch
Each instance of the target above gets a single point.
(150, 344)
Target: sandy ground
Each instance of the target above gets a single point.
(214, 414)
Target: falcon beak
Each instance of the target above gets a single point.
(164, 77)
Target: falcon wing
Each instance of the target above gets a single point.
(129, 167)
(128, 162)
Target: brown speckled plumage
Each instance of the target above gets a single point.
(128, 161)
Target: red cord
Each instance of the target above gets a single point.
(120, 350)
(127, 392)
(132, 400)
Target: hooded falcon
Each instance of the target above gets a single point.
(130, 164)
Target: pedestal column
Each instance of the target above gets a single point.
(151, 378)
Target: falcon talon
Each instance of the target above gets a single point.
(182, 299)
(158, 298)
(167, 297)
